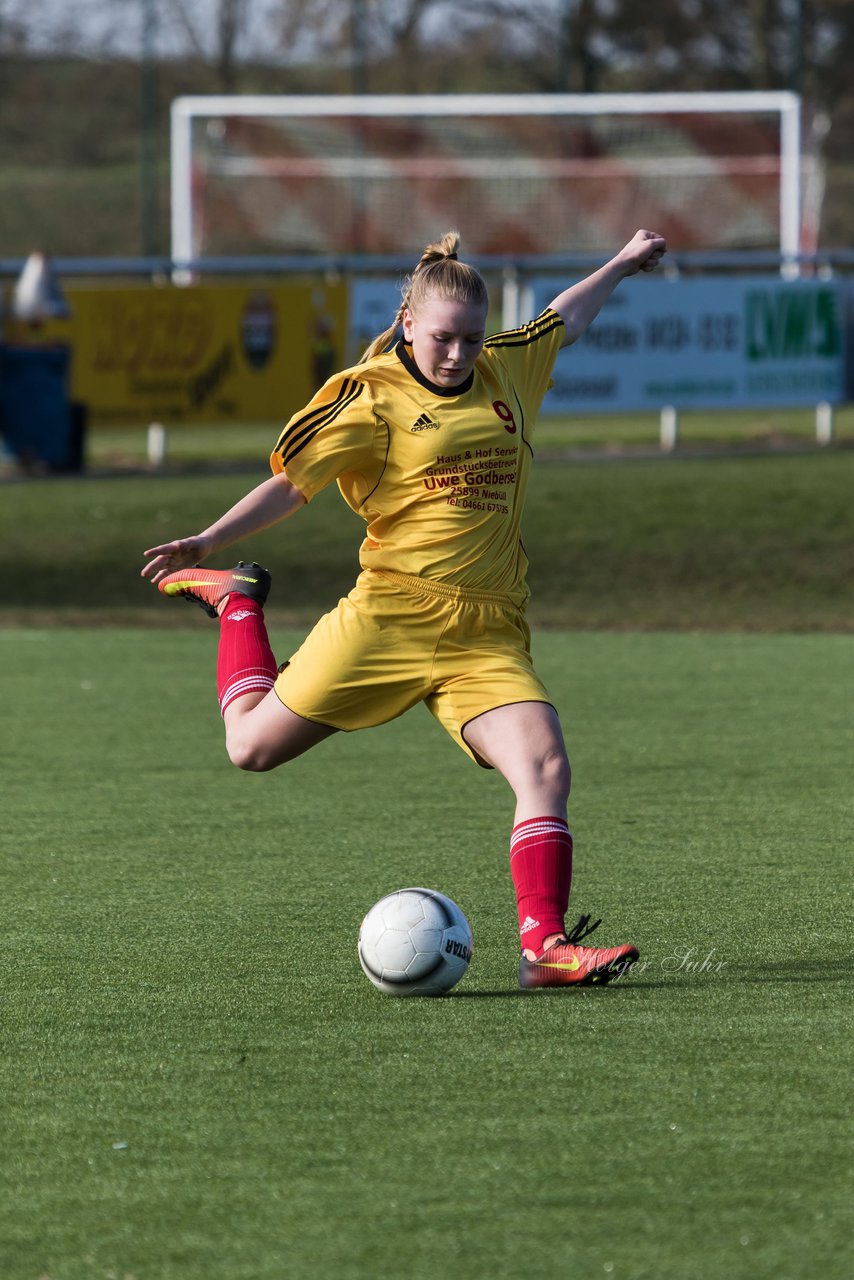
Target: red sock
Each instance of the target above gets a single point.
(541, 867)
(245, 663)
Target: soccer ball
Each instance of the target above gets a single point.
(415, 942)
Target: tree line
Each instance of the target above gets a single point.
(582, 46)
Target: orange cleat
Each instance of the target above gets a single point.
(567, 963)
(209, 587)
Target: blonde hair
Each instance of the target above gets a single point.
(439, 274)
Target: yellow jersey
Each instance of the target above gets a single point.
(439, 474)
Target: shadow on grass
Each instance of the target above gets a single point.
(795, 972)
(840, 969)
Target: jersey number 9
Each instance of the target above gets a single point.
(505, 413)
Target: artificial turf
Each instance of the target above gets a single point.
(198, 1081)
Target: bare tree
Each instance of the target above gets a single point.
(225, 35)
(228, 26)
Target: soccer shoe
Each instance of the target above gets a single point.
(567, 963)
(209, 587)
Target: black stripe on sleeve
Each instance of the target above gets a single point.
(523, 337)
(302, 431)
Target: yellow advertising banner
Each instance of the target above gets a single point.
(204, 353)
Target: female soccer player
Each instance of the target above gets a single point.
(429, 439)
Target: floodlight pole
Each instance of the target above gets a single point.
(148, 167)
(564, 46)
(359, 80)
(358, 47)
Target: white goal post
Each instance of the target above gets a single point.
(270, 174)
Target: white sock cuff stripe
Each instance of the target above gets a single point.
(247, 682)
(538, 827)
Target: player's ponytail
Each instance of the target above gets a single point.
(439, 274)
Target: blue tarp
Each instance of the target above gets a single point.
(37, 419)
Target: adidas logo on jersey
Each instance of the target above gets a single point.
(425, 423)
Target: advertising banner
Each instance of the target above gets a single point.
(727, 342)
(206, 353)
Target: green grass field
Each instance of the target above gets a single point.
(760, 544)
(199, 1083)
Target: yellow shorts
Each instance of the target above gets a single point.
(395, 641)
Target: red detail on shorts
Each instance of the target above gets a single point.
(245, 663)
(541, 867)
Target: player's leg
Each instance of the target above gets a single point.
(260, 731)
(524, 742)
(345, 675)
(490, 699)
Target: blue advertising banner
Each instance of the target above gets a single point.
(715, 342)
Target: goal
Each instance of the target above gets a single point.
(517, 174)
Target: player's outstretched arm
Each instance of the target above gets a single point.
(273, 500)
(579, 305)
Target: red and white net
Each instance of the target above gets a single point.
(512, 184)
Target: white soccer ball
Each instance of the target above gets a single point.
(415, 942)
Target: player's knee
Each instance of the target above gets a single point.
(556, 774)
(252, 757)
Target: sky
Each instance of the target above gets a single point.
(96, 28)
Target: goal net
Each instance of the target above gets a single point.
(518, 175)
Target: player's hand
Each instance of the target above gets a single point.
(170, 557)
(643, 252)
